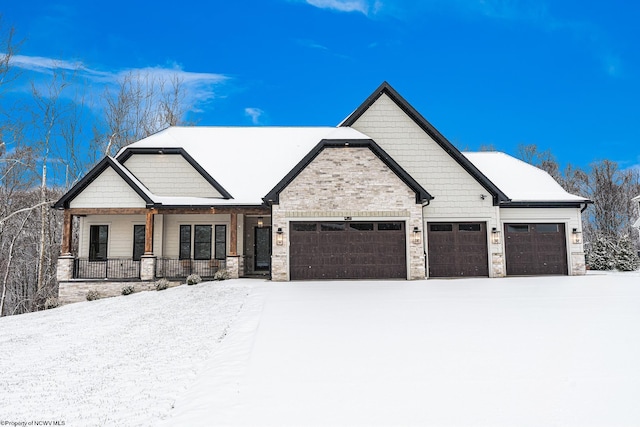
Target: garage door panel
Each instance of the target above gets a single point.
(348, 250)
(535, 249)
(457, 249)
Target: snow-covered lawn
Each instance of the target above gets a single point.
(554, 351)
(118, 361)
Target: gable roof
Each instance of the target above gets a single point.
(386, 89)
(524, 184)
(123, 156)
(107, 162)
(422, 196)
(246, 162)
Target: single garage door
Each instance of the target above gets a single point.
(458, 249)
(347, 250)
(534, 249)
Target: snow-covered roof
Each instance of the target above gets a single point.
(520, 181)
(246, 161)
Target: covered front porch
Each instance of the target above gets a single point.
(145, 244)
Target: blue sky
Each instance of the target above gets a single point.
(563, 75)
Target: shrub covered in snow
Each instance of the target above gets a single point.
(626, 255)
(127, 290)
(607, 254)
(193, 279)
(222, 274)
(600, 254)
(93, 295)
(51, 302)
(162, 284)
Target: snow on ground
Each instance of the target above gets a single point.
(547, 351)
(118, 361)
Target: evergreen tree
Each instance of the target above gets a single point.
(601, 254)
(626, 255)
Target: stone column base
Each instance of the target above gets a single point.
(147, 267)
(64, 271)
(233, 266)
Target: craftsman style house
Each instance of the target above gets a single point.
(383, 195)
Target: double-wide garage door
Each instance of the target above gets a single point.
(535, 249)
(347, 250)
(457, 249)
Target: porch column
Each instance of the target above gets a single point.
(67, 232)
(64, 270)
(148, 260)
(233, 261)
(148, 234)
(233, 235)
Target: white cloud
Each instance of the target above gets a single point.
(363, 6)
(254, 113)
(199, 87)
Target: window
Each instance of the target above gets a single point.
(185, 242)
(221, 241)
(361, 226)
(138, 241)
(468, 227)
(547, 228)
(332, 226)
(517, 228)
(440, 227)
(202, 242)
(389, 226)
(98, 238)
(303, 226)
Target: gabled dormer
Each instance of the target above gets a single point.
(171, 172)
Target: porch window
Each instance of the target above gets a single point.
(138, 241)
(202, 242)
(98, 238)
(221, 241)
(185, 242)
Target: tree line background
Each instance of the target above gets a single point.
(55, 134)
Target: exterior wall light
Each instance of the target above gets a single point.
(415, 236)
(260, 222)
(576, 236)
(279, 237)
(495, 236)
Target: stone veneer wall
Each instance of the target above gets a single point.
(341, 182)
(76, 291)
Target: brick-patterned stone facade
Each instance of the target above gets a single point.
(64, 270)
(76, 291)
(233, 266)
(147, 267)
(578, 264)
(342, 181)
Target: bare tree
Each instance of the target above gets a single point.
(8, 49)
(142, 104)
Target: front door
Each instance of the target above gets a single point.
(262, 249)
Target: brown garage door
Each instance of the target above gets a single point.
(457, 249)
(534, 249)
(347, 250)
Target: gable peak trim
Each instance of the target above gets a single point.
(386, 89)
(422, 195)
(128, 152)
(92, 175)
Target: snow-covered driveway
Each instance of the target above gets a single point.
(556, 351)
